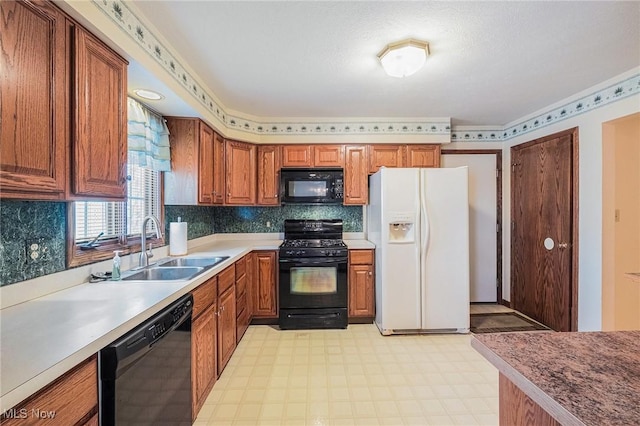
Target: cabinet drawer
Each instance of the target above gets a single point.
(361, 257)
(241, 302)
(241, 286)
(226, 279)
(203, 296)
(241, 267)
(71, 398)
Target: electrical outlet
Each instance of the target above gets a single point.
(36, 250)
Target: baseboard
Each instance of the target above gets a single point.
(506, 303)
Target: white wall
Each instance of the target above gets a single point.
(589, 202)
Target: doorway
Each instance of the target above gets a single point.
(620, 223)
(544, 223)
(485, 220)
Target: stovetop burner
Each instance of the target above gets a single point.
(312, 243)
(313, 238)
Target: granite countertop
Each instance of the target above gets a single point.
(45, 337)
(590, 378)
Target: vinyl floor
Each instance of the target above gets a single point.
(353, 377)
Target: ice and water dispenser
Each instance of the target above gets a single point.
(402, 228)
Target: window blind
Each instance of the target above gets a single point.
(121, 219)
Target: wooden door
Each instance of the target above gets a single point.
(544, 229)
(100, 142)
(296, 156)
(241, 173)
(423, 156)
(34, 99)
(386, 155)
(226, 327)
(203, 357)
(265, 286)
(328, 155)
(356, 183)
(268, 175)
(219, 177)
(205, 169)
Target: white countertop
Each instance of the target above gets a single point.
(43, 338)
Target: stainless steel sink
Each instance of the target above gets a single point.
(205, 262)
(165, 274)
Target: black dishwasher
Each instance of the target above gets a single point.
(145, 376)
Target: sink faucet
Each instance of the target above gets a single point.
(144, 255)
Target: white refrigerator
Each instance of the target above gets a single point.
(418, 220)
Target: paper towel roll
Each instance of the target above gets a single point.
(177, 238)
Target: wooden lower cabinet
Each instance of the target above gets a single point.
(71, 399)
(203, 357)
(226, 327)
(243, 315)
(265, 285)
(361, 284)
(517, 408)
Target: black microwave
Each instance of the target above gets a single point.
(311, 186)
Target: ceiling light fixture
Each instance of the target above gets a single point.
(403, 58)
(148, 94)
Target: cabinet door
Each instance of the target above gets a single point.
(219, 177)
(34, 134)
(385, 155)
(100, 140)
(268, 175)
(423, 155)
(296, 156)
(361, 291)
(241, 173)
(71, 398)
(226, 327)
(356, 189)
(205, 169)
(203, 357)
(265, 289)
(328, 155)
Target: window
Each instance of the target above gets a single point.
(119, 222)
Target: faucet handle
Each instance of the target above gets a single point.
(150, 250)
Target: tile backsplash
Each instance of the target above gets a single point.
(33, 233)
(199, 219)
(32, 239)
(271, 219)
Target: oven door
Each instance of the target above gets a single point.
(319, 282)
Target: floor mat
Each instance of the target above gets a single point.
(503, 322)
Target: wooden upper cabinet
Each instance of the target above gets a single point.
(328, 155)
(356, 184)
(205, 164)
(386, 155)
(423, 156)
(240, 169)
(219, 177)
(197, 163)
(297, 156)
(34, 100)
(100, 117)
(268, 175)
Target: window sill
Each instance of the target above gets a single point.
(104, 251)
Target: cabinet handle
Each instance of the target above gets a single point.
(229, 194)
(370, 273)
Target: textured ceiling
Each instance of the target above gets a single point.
(490, 63)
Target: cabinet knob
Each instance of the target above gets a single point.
(370, 273)
(229, 194)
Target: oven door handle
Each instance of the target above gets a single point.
(315, 261)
